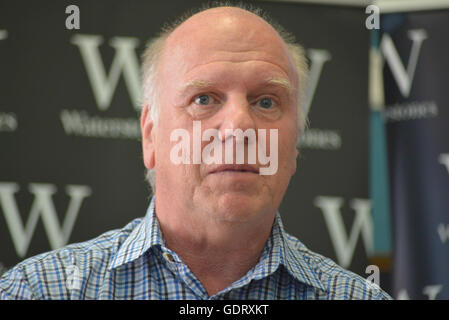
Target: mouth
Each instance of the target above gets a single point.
(234, 168)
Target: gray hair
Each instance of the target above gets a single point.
(154, 49)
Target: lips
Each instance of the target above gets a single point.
(234, 168)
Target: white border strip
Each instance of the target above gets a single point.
(353, 3)
(389, 6)
(385, 6)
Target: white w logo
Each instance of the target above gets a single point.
(317, 59)
(42, 206)
(403, 77)
(443, 232)
(125, 61)
(444, 160)
(3, 34)
(344, 245)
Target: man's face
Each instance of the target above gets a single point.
(228, 72)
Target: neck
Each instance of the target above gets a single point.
(218, 252)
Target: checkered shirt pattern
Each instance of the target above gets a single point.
(134, 263)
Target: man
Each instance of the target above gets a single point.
(212, 230)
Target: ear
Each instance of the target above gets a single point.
(295, 161)
(148, 146)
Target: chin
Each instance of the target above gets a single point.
(240, 207)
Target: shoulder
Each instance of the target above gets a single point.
(337, 282)
(47, 275)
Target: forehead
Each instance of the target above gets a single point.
(224, 37)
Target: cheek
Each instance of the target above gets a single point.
(162, 144)
(288, 152)
(178, 175)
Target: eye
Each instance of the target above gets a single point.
(266, 103)
(203, 99)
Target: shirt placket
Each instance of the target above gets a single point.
(182, 271)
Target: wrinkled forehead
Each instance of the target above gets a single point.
(224, 35)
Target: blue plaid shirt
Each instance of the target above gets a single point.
(134, 263)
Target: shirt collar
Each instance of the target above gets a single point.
(281, 249)
(146, 235)
(293, 255)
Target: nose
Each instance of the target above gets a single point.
(237, 114)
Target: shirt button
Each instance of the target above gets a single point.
(167, 256)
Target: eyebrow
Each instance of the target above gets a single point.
(198, 84)
(202, 84)
(284, 83)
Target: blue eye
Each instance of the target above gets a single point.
(203, 99)
(266, 103)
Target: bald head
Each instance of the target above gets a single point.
(227, 33)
